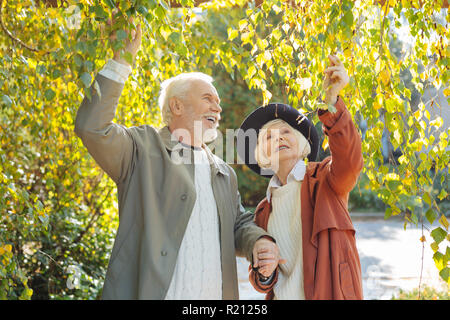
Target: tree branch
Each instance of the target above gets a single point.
(11, 36)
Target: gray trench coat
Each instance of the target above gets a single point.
(156, 196)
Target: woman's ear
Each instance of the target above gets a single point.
(176, 106)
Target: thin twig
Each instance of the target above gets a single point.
(10, 35)
(423, 253)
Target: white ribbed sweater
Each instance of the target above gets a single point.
(285, 225)
(198, 271)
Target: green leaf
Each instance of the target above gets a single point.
(232, 34)
(78, 60)
(121, 35)
(444, 222)
(7, 100)
(49, 94)
(427, 198)
(160, 12)
(100, 12)
(128, 57)
(348, 18)
(434, 246)
(430, 215)
(175, 37)
(445, 274)
(438, 234)
(442, 195)
(41, 69)
(388, 213)
(439, 260)
(86, 79)
(142, 10)
(110, 4)
(56, 74)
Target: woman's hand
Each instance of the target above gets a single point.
(336, 78)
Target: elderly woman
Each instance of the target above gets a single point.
(305, 209)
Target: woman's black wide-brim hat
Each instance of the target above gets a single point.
(247, 136)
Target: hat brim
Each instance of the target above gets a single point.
(247, 136)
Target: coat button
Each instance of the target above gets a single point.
(164, 253)
(184, 197)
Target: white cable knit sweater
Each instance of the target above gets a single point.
(198, 271)
(285, 225)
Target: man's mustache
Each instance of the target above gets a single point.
(213, 114)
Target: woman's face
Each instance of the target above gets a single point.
(280, 144)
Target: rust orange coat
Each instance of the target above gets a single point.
(331, 266)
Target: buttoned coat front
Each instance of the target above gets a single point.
(156, 195)
(331, 265)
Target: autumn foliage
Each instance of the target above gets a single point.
(58, 212)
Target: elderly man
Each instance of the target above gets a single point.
(181, 223)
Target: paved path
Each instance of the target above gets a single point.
(390, 256)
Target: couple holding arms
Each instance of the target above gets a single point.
(182, 224)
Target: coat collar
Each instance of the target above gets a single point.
(171, 142)
(297, 173)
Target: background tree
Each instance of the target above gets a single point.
(58, 210)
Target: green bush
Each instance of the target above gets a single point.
(363, 198)
(426, 293)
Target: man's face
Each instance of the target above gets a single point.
(202, 110)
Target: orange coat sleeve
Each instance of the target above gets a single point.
(256, 283)
(345, 147)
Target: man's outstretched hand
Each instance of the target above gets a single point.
(131, 46)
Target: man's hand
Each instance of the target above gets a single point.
(266, 257)
(336, 78)
(131, 45)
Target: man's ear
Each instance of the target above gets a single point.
(176, 106)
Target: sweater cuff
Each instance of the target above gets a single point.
(116, 71)
(266, 281)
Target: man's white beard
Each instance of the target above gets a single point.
(209, 135)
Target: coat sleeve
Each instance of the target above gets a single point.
(345, 147)
(252, 273)
(253, 277)
(246, 232)
(110, 144)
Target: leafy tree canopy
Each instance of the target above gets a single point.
(58, 210)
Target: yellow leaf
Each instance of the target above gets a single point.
(325, 143)
(347, 53)
(447, 92)
(385, 76)
(443, 220)
(376, 105)
(8, 247)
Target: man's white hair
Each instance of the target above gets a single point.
(179, 87)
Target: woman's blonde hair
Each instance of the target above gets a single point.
(260, 156)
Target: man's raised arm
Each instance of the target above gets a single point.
(110, 144)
